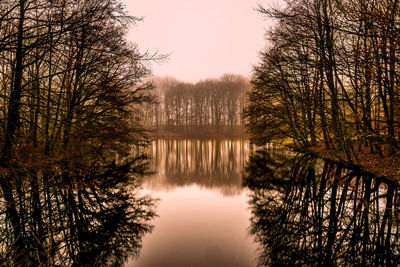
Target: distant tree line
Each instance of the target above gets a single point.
(330, 76)
(208, 102)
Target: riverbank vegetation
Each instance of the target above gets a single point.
(71, 88)
(328, 81)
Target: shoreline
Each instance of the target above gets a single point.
(387, 167)
(383, 167)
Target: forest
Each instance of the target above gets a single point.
(328, 81)
(71, 86)
(209, 102)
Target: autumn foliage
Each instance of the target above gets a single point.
(328, 81)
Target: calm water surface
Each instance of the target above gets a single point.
(203, 211)
(296, 210)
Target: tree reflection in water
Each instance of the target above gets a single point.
(215, 164)
(91, 217)
(309, 212)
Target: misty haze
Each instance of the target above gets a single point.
(199, 133)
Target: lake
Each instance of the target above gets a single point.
(204, 202)
(223, 203)
(203, 214)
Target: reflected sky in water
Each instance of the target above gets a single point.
(203, 211)
(300, 210)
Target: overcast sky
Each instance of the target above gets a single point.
(206, 38)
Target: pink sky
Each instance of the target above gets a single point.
(206, 38)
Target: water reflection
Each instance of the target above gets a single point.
(75, 218)
(319, 213)
(213, 164)
(203, 211)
